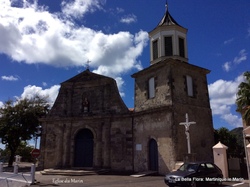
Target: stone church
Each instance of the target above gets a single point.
(90, 126)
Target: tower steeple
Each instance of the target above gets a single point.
(168, 40)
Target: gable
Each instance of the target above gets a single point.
(88, 94)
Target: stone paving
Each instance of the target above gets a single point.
(99, 181)
(91, 180)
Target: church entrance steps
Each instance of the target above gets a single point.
(74, 172)
(144, 173)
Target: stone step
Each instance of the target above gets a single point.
(73, 172)
(144, 173)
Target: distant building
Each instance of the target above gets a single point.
(90, 126)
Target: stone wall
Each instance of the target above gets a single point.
(121, 138)
(121, 144)
(107, 117)
(156, 125)
(172, 100)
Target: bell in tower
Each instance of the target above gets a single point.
(168, 40)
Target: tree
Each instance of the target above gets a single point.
(243, 98)
(19, 121)
(235, 149)
(23, 150)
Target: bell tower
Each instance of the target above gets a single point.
(164, 92)
(168, 40)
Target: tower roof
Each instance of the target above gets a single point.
(168, 19)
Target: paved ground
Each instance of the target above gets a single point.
(107, 180)
(99, 180)
(112, 181)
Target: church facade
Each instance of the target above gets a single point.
(90, 126)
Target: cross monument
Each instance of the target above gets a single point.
(187, 123)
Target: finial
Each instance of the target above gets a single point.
(166, 5)
(88, 62)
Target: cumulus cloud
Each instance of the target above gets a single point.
(128, 19)
(9, 78)
(112, 50)
(234, 120)
(31, 34)
(222, 99)
(31, 91)
(1, 104)
(120, 82)
(50, 94)
(78, 8)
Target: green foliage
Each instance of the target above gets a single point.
(243, 97)
(19, 121)
(232, 140)
(23, 150)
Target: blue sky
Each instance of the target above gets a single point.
(43, 43)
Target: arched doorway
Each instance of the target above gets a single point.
(153, 155)
(84, 147)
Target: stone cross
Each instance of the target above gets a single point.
(187, 123)
(88, 62)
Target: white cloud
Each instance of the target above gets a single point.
(229, 41)
(10, 78)
(129, 19)
(234, 120)
(31, 91)
(248, 31)
(31, 34)
(1, 104)
(78, 8)
(119, 10)
(222, 99)
(242, 57)
(50, 94)
(44, 84)
(120, 83)
(227, 66)
(114, 52)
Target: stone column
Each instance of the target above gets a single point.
(220, 158)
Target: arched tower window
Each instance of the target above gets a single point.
(168, 46)
(181, 47)
(155, 49)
